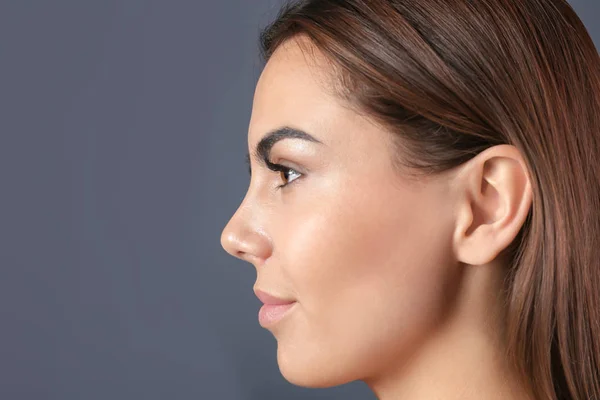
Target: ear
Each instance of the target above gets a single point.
(493, 199)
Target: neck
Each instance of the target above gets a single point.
(464, 358)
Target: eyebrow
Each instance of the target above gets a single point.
(262, 151)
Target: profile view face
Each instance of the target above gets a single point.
(365, 255)
(422, 208)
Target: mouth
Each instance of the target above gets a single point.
(274, 308)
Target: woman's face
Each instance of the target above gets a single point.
(365, 253)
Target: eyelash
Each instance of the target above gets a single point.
(282, 168)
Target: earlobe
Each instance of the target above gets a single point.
(494, 196)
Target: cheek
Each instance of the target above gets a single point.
(367, 283)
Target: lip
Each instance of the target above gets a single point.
(269, 314)
(272, 300)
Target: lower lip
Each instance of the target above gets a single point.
(269, 314)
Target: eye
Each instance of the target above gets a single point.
(285, 173)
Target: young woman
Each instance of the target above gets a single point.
(424, 203)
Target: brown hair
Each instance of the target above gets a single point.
(453, 78)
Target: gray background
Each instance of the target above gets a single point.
(122, 140)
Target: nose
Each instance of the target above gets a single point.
(245, 239)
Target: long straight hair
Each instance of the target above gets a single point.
(453, 78)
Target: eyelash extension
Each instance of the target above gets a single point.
(282, 168)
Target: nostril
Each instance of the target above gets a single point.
(250, 258)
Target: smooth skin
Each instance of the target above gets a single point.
(397, 283)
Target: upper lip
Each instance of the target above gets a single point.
(270, 299)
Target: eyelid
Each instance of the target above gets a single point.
(276, 166)
(280, 162)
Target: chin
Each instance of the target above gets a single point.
(311, 370)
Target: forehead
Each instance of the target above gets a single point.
(293, 90)
(300, 59)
